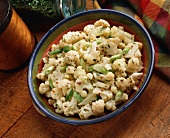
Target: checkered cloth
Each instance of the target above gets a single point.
(155, 15)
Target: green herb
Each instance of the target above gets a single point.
(70, 94)
(78, 97)
(91, 68)
(126, 50)
(66, 48)
(51, 83)
(82, 63)
(55, 52)
(113, 58)
(63, 68)
(118, 95)
(74, 47)
(49, 70)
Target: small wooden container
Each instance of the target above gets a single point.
(16, 40)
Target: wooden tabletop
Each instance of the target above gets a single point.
(148, 117)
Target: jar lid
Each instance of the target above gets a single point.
(5, 14)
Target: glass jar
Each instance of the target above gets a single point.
(41, 10)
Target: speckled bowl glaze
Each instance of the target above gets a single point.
(77, 22)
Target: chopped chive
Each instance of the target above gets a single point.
(82, 63)
(70, 94)
(74, 47)
(113, 58)
(88, 44)
(49, 70)
(66, 48)
(99, 41)
(55, 52)
(51, 83)
(126, 50)
(78, 97)
(63, 68)
(91, 68)
(104, 71)
(118, 95)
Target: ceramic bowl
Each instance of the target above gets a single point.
(77, 22)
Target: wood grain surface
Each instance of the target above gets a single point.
(148, 117)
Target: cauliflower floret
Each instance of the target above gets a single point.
(108, 66)
(70, 70)
(60, 62)
(110, 76)
(72, 58)
(93, 56)
(70, 107)
(43, 88)
(98, 106)
(79, 72)
(117, 32)
(100, 77)
(128, 38)
(134, 65)
(110, 105)
(56, 93)
(73, 37)
(89, 76)
(122, 83)
(113, 88)
(59, 106)
(119, 64)
(105, 94)
(54, 47)
(101, 22)
(41, 76)
(82, 83)
(45, 60)
(111, 47)
(86, 112)
(88, 28)
(64, 85)
(56, 75)
(101, 85)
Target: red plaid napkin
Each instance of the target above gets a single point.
(155, 15)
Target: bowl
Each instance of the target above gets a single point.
(77, 22)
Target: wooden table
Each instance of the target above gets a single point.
(149, 117)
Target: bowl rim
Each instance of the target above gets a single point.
(124, 107)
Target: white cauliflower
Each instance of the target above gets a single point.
(88, 28)
(110, 105)
(56, 93)
(104, 94)
(56, 75)
(119, 64)
(79, 72)
(59, 106)
(128, 38)
(70, 70)
(101, 85)
(102, 23)
(117, 32)
(82, 83)
(64, 85)
(134, 65)
(72, 58)
(113, 88)
(122, 83)
(70, 107)
(43, 88)
(73, 37)
(98, 106)
(93, 56)
(86, 111)
(41, 76)
(109, 76)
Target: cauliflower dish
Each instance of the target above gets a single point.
(91, 72)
